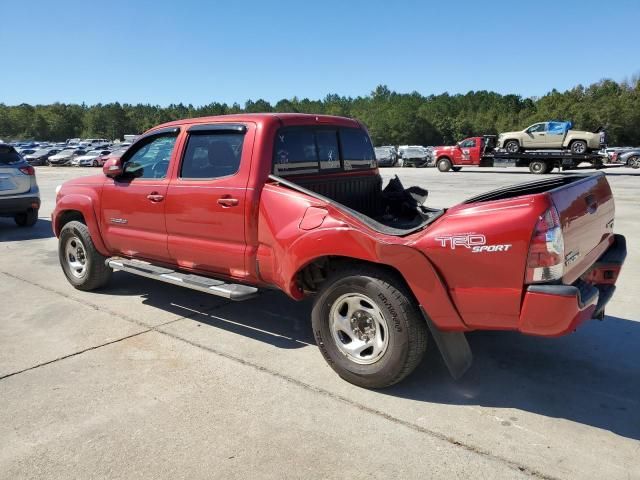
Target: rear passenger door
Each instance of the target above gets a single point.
(206, 200)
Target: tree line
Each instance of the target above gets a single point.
(392, 118)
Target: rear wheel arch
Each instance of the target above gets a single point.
(573, 141)
(409, 266)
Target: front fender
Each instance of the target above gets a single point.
(83, 204)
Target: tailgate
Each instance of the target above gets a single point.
(586, 212)
(13, 181)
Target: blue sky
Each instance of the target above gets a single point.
(163, 52)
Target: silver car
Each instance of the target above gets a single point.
(19, 193)
(630, 158)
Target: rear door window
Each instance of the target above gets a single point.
(212, 155)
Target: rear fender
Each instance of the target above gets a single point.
(415, 268)
(84, 205)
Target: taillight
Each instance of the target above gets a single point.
(546, 252)
(29, 170)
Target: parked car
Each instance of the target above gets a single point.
(63, 157)
(304, 211)
(552, 135)
(416, 157)
(19, 193)
(93, 158)
(40, 157)
(630, 158)
(386, 156)
(26, 151)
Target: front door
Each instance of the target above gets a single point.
(133, 205)
(469, 151)
(206, 201)
(536, 136)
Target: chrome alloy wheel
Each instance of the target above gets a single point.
(76, 257)
(358, 328)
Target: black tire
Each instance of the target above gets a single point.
(634, 162)
(538, 167)
(579, 147)
(95, 273)
(406, 335)
(456, 169)
(26, 219)
(94, 163)
(512, 146)
(444, 164)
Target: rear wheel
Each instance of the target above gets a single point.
(538, 167)
(82, 264)
(368, 327)
(444, 165)
(579, 147)
(512, 146)
(26, 219)
(634, 162)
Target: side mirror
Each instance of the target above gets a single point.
(113, 167)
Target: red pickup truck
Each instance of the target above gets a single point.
(231, 205)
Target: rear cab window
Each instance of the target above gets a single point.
(309, 150)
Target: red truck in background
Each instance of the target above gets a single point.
(482, 152)
(231, 205)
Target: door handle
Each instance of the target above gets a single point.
(155, 197)
(228, 202)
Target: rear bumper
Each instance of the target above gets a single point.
(13, 205)
(554, 310)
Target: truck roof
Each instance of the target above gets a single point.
(265, 119)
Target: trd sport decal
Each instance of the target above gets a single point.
(475, 242)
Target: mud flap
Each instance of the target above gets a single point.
(453, 347)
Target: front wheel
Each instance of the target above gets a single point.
(368, 327)
(444, 165)
(81, 263)
(512, 146)
(634, 162)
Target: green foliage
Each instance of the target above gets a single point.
(392, 118)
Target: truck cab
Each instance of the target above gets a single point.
(468, 152)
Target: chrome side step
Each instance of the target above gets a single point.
(232, 291)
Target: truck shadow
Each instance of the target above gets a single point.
(10, 232)
(271, 317)
(590, 377)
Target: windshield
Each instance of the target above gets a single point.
(382, 151)
(414, 151)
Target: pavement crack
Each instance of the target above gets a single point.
(79, 352)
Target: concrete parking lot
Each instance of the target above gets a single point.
(146, 380)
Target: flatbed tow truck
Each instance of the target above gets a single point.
(482, 152)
